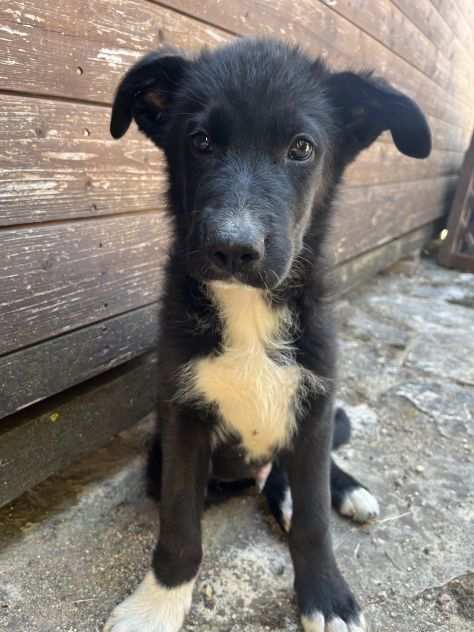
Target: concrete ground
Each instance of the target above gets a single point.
(78, 543)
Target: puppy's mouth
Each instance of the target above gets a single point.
(257, 280)
(232, 284)
(199, 268)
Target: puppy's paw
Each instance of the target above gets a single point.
(331, 606)
(152, 608)
(286, 509)
(359, 505)
(318, 623)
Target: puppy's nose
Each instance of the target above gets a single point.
(232, 257)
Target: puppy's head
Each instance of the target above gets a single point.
(256, 136)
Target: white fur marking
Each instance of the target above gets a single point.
(152, 608)
(361, 626)
(336, 625)
(262, 475)
(360, 505)
(314, 623)
(256, 395)
(287, 510)
(317, 623)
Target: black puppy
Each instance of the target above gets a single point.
(256, 138)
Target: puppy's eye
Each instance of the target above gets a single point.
(301, 149)
(201, 143)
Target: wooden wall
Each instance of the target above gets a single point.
(82, 235)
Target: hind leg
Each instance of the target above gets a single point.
(349, 498)
(278, 495)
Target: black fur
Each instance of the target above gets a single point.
(342, 429)
(256, 137)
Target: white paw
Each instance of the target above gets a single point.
(317, 623)
(286, 509)
(360, 505)
(152, 608)
(262, 475)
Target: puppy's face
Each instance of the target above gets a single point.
(249, 151)
(256, 136)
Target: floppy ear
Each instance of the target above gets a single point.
(146, 93)
(367, 106)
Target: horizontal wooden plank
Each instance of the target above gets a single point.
(123, 24)
(356, 271)
(58, 277)
(466, 9)
(55, 365)
(383, 164)
(57, 161)
(461, 28)
(315, 27)
(45, 438)
(429, 21)
(80, 50)
(370, 216)
(78, 63)
(384, 21)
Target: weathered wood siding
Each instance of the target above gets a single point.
(82, 229)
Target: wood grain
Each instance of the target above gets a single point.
(80, 50)
(58, 277)
(49, 367)
(356, 271)
(57, 160)
(367, 217)
(460, 28)
(429, 21)
(383, 164)
(44, 439)
(466, 9)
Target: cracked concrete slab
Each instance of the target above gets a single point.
(79, 542)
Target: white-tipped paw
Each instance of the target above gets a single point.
(152, 608)
(318, 623)
(286, 509)
(360, 505)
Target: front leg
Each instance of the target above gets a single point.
(162, 600)
(325, 601)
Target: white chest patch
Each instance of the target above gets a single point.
(254, 381)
